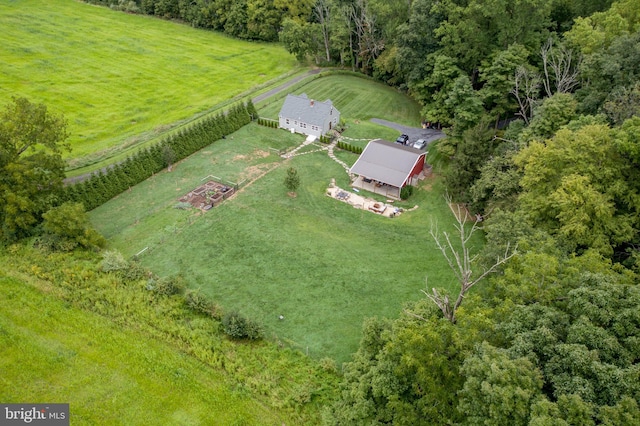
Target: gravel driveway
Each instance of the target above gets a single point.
(414, 133)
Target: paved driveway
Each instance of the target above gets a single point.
(414, 133)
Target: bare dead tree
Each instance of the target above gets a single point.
(560, 68)
(368, 40)
(346, 13)
(322, 11)
(460, 261)
(525, 90)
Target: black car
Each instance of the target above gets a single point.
(402, 139)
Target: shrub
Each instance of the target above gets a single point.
(133, 272)
(67, 226)
(406, 192)
(199, 302)
(238, 326)
(329, 365)
(168, 286)
(113, 261)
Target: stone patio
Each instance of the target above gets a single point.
(360, 202)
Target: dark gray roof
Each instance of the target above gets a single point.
(307, 110)
(386, 162)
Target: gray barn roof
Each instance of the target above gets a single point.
(307, 110)
(386, 162)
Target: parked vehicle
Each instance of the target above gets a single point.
(402, 139)
(420, 144)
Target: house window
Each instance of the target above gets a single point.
(287, 121)
(295, 123)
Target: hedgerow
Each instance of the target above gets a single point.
(111, 181)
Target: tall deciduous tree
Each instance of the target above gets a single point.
(498, 77)
(498, 390)
(298, 38)
(322, 13)
(416, 40)
(31, 166)
(67, 226)
(436, 89)
(575, 187)
(405, 372)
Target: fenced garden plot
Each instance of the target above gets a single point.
(208, 195)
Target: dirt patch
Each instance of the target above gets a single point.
(428, 181)
(258, 153)
(253, 172)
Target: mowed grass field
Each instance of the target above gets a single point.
(121, 78)
(358, 100)
(318, 262)
(53, 352)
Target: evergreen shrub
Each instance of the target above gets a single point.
(238, 326)
(406, 192)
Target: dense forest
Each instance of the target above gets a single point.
(540, 100)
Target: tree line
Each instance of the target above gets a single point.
(245, 19)
(106, 184)
(543, 141)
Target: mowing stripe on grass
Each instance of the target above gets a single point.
(120, 78)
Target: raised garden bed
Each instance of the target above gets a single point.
(208, 195)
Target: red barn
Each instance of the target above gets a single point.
(385, 167)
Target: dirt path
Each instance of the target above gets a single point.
(285, 85)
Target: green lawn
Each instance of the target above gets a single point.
(320, 263)
(52, 352)
(358, 99)
(118, 78)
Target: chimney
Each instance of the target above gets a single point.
(311, 103)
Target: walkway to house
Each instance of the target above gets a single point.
(329, 148)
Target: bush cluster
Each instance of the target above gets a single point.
(348, 147)
(268, 123)
(169, 286)
(113, 261)
(200, 303)
(109, 182)
(238, 326)
(325, 139)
